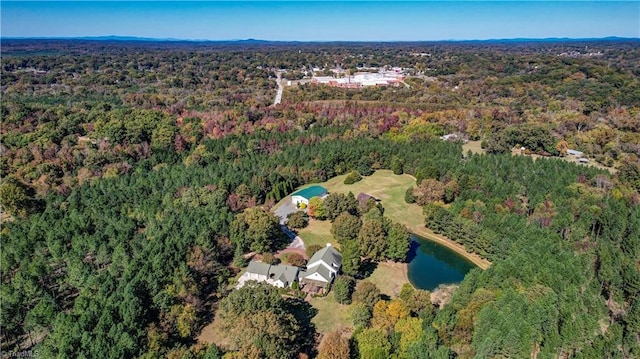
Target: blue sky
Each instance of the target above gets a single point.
(322, 21)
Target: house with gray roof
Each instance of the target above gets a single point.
(323, 267)
(280, 275)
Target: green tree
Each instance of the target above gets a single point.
(346, 227)
(372, 240)
(297, 220)
(397, 165)
(351, 258)
(360, 315)
(408, 195)
(16, 198)
(256, 229)
(373, 343)
(343, 289)
(337, 203)
(398, 242)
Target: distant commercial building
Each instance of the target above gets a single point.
(359, 80)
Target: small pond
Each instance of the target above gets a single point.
(432, 264)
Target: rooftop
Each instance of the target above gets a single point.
(328, 255)
(309, 192)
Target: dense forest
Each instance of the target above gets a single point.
(127, 167)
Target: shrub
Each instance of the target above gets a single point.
(409, 197)
(342, 289)
(352, 177)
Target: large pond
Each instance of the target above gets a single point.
(432, 264)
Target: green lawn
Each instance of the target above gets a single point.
(474, 147)
(390, 189)
(389, 278)
(317, 232)
(331, 315)
(383, 184)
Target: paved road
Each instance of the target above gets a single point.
(280, 88)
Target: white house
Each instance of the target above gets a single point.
(276, 275)
(323, 267)
(304, 195)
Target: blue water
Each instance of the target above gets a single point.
(432, 264)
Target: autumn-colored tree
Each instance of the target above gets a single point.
(386, 314)
(257, 322)
(544, 213)
(562, 147)
(430, 190)
(241, 198)
(316, 209)
(334, 345)
(352, 177)
(269, 258)
(186, 320)
(366, 293)
(310, 250)
(15, 197)
(295, 259)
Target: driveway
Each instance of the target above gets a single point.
(284, 210)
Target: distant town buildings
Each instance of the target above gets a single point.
(393, 77)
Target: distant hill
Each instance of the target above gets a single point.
(111, 38)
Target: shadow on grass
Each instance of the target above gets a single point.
(367, 268)
(304, 312)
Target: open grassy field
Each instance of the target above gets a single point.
(317, 232)
(390, 189)
(389, 278)
(474, 147)
(331, 315)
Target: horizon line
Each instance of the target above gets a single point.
(170, 39)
